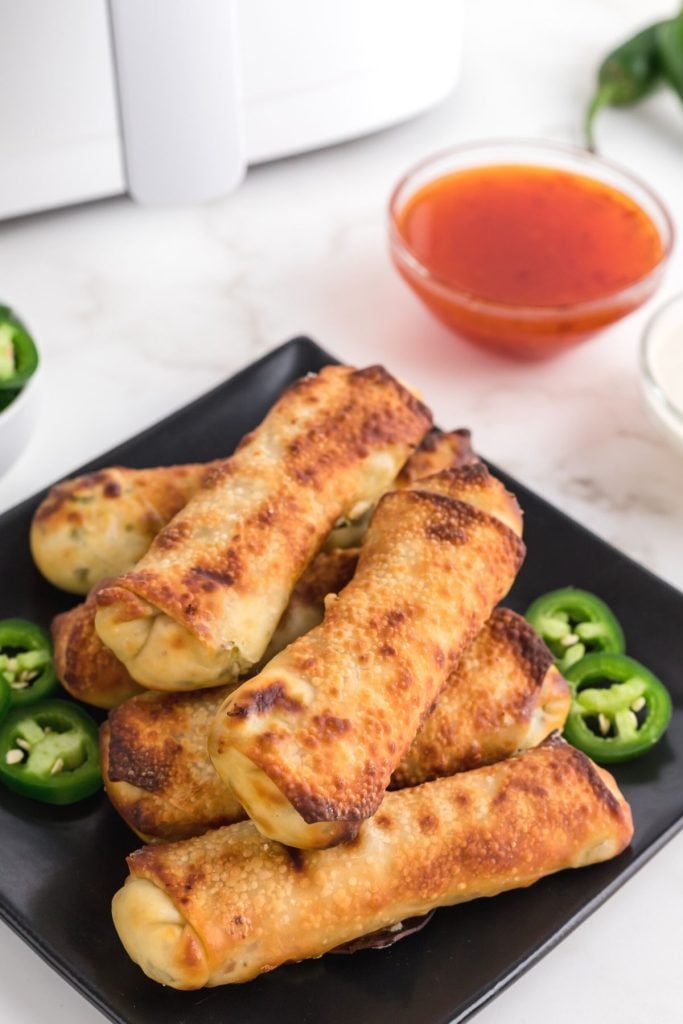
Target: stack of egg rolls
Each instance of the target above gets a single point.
(389, 697)
(310, 743)
(91, 672)
(505, 695)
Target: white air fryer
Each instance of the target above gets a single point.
(171, 100)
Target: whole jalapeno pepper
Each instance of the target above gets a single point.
(26, 664)
(574, 622)
(622, 714)
(670, 45)
(49, 751)
(628, 74)
(18, 352)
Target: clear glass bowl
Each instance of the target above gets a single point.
(519, 330)
(661, 368)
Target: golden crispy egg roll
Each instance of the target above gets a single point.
(100, 524)
(310, 743)
(92, 673)
(230, 905)
(505, 695)
(201, 606)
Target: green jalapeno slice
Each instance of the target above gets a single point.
(49, 751)
(619, 708)
(26, 664)
(18, 352)
(574, 623)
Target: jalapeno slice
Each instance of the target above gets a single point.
(18, 352)
(574, 623)
(50, 752)
(619, 708)
(26, 661)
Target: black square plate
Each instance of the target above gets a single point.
(60, 867)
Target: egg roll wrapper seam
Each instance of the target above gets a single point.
(237, 904)
(329, 719)
(202, 604)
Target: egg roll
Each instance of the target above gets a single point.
(229, 905)
(200, 607)
(100, 524)
(310, 743)
(506, 695)
(90, 672)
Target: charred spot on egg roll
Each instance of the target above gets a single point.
(100, 524)
(310, 743)
(156, 768)
(201, 606)
(229, 905)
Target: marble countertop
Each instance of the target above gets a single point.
(137, 311)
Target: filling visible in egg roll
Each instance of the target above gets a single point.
(310, 743)
(201, 606)
(230, 905)
(505, 696)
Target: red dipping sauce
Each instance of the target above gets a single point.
(524, 258)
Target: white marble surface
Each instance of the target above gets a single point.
(137, 311)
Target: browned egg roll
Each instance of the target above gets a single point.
(310, 743)
(230, 905)
(201, 606)
(100, 524)
(92, 673)
(506, 695)
(157, 770)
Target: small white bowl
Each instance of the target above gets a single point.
(661, 369)
(17, 422)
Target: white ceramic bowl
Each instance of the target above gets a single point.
(661, 369)
(17, 422)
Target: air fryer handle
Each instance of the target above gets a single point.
(179, 95)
